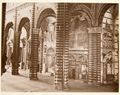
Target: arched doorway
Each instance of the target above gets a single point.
(8, 42)
(47, 38)
(110, 45)
(9, 45)
(49, 44)
(23, 48)
(24, 43)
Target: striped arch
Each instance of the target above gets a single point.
(42, 24)
(104, 8)
(25, 22)
(45, 13)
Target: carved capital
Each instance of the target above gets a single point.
(95, 30)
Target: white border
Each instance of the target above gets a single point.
(56, 93)
(81, 1)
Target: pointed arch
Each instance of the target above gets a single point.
(104, 8)
(24, 22)
(7, 27)
(45, 13)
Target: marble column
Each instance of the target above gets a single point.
(94, 55)
(62, 47)
(15, 55)
(34, 48)
(34, 55)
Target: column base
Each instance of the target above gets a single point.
(97, 84)
(34, 78)
(15, 72)
(94, 83)
(90, 82)
(62, 87)
(33, 72)
(104, 82)
(59, 86)
(66, 87)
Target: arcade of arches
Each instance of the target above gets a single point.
(67, 41)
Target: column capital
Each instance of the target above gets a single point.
(36, 31)
(95, 30)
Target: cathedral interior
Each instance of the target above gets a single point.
(65, 41)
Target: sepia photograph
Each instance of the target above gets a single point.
(59, 47)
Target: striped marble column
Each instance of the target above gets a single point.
(66, 46)
(34, 54)
(15, 55)
(34, 49)
(62, 47)
(94, 64)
